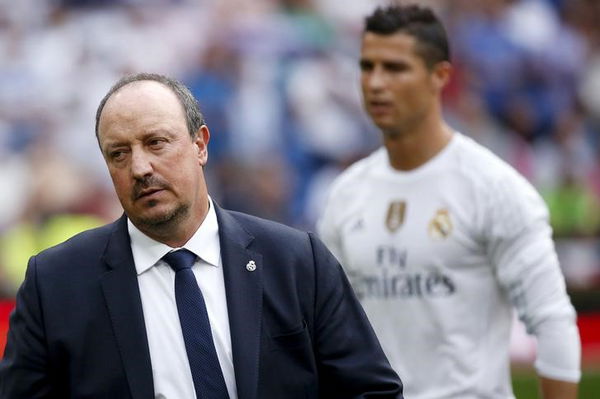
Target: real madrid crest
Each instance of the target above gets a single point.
(251, 266)
(441, 224)
(395, 215)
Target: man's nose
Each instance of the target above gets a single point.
(376, 79)
(141, 165)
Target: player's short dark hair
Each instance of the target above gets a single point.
(417, 21)
(193, 115)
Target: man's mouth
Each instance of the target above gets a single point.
(147, 192)
(378, 106)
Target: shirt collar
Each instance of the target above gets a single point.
(204, 243)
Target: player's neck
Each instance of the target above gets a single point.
(412, 149)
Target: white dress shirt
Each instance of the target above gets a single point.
(170, 367)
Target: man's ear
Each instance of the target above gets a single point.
(201, 142)
(442, 72)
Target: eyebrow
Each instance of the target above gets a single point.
(385, 63)
(107, 148)
(159, 131)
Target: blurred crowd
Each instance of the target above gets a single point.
(278, 82)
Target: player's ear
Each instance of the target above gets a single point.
(442, 72)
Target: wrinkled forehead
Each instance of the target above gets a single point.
(143, 97)
(139, 104)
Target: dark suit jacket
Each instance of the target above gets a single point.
(297, 330)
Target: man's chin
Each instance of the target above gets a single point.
(384, 124)
(156, 218)
(153, 221)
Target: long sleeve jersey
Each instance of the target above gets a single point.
(440, 256)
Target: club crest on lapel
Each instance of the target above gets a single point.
(251, 266)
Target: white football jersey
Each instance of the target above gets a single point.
(439, 256)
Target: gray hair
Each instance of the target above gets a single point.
(193, 117)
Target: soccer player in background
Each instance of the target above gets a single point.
(440, 238)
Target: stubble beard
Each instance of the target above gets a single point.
(162, 225)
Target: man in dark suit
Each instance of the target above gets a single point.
(111, 313)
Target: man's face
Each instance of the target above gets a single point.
(397, 87)
(155, 166)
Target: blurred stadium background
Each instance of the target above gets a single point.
(278, 83)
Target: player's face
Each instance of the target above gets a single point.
(155, 166)
(398, 89)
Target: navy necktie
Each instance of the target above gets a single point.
(206, 371)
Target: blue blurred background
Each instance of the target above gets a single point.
(278, 83)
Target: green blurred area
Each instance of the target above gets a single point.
(28, 238)
(525, 384)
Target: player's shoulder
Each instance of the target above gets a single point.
(492, 177)
(357, 173)
(479, 163)
(472, 154)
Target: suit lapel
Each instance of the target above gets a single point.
(122, 296)
(243, 286)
